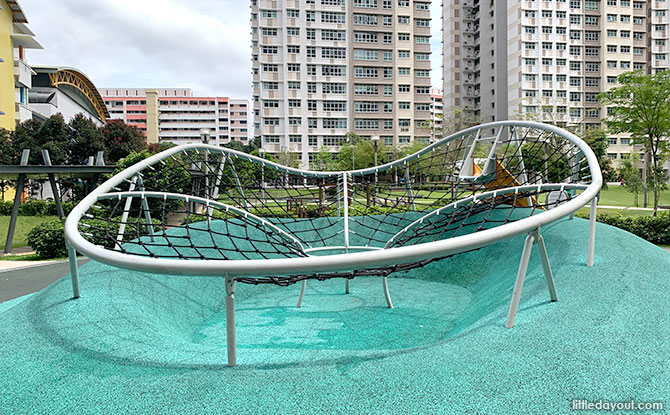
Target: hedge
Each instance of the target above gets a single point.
(653, 229)
(48, 239)
(34, 207)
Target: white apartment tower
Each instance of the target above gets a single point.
(322, 68)
(548, 59)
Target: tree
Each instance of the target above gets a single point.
(323, 160)
(629, 172)
(596, 138)
(85, 140)
(121, 139)
(363, 153)
(641, 108)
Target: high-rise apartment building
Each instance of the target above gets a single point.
(436, 110)
(322, 68)
(177, 115)
(548, 59)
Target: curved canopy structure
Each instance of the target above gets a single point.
(204, 210)
(78, 84)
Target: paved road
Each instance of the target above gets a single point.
(33, 277)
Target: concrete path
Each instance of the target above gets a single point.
(18, 278)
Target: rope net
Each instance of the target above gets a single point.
(207, 203)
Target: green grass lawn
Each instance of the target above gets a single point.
(23, 225)
(620, 196)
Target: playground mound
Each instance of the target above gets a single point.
(144, 343)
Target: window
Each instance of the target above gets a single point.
(267, 67)
(547, 13)
(575, 96)
(591, 50)
(311, 105)
(422, 73)
(293, 85)
(310, 16)
(364, 124)
(403, 54)
(271, 138)
(575, 34)
(422, 56)
(271, 121)
(269, 50)
(311, 87)
(311, 52)
(591, 20)
(575, 66)
(333, 53)
(422, 40)
(366, 72)
(366, 37)
(335, 35)
(365, 19)
(592, 36)
(611, 33)
(365, 3)
(269, 14)
(592, 66)
(334, 105)
(403, 88)
(422, 90)
(575, 19)
(403, 19)
(366, 89)
(270, 85)
(592, 82)
(575, 81)
(270, 104)
(366, 54)
(266, 31)
(333, 88)
(311, 70)
(611, 48)
(547, 77)
(422, 22)
(404, 71)
(530, 61)
(403, 105)
(294, 121)
(334, 123)
(366, 106)
(333, 17)
(310, 34)
(294, 103)
(576, 50)
(293, 67)
(333, 70)
(293, 13)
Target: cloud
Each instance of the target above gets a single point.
(200, 44)
(204, 44)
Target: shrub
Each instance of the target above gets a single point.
(48, 239)
(35, 207)
(653, 229)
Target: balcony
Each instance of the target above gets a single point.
(23, 74)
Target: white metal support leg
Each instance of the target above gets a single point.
(386, 292)
(592, 232)
(231, 341)
(520, 277)
(74, 271)
(542, 250)
(302, 293)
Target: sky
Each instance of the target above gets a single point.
(204, 45)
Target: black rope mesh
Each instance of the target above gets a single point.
(209, 204)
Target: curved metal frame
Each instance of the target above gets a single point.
(338, 262)
(363, 258)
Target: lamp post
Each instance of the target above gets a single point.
(261, 152)
(205, 135)
(353, 164)
(375, 144)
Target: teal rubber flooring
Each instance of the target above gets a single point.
(142, 343)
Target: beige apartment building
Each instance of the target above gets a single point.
(322, 68)
(548, 60)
